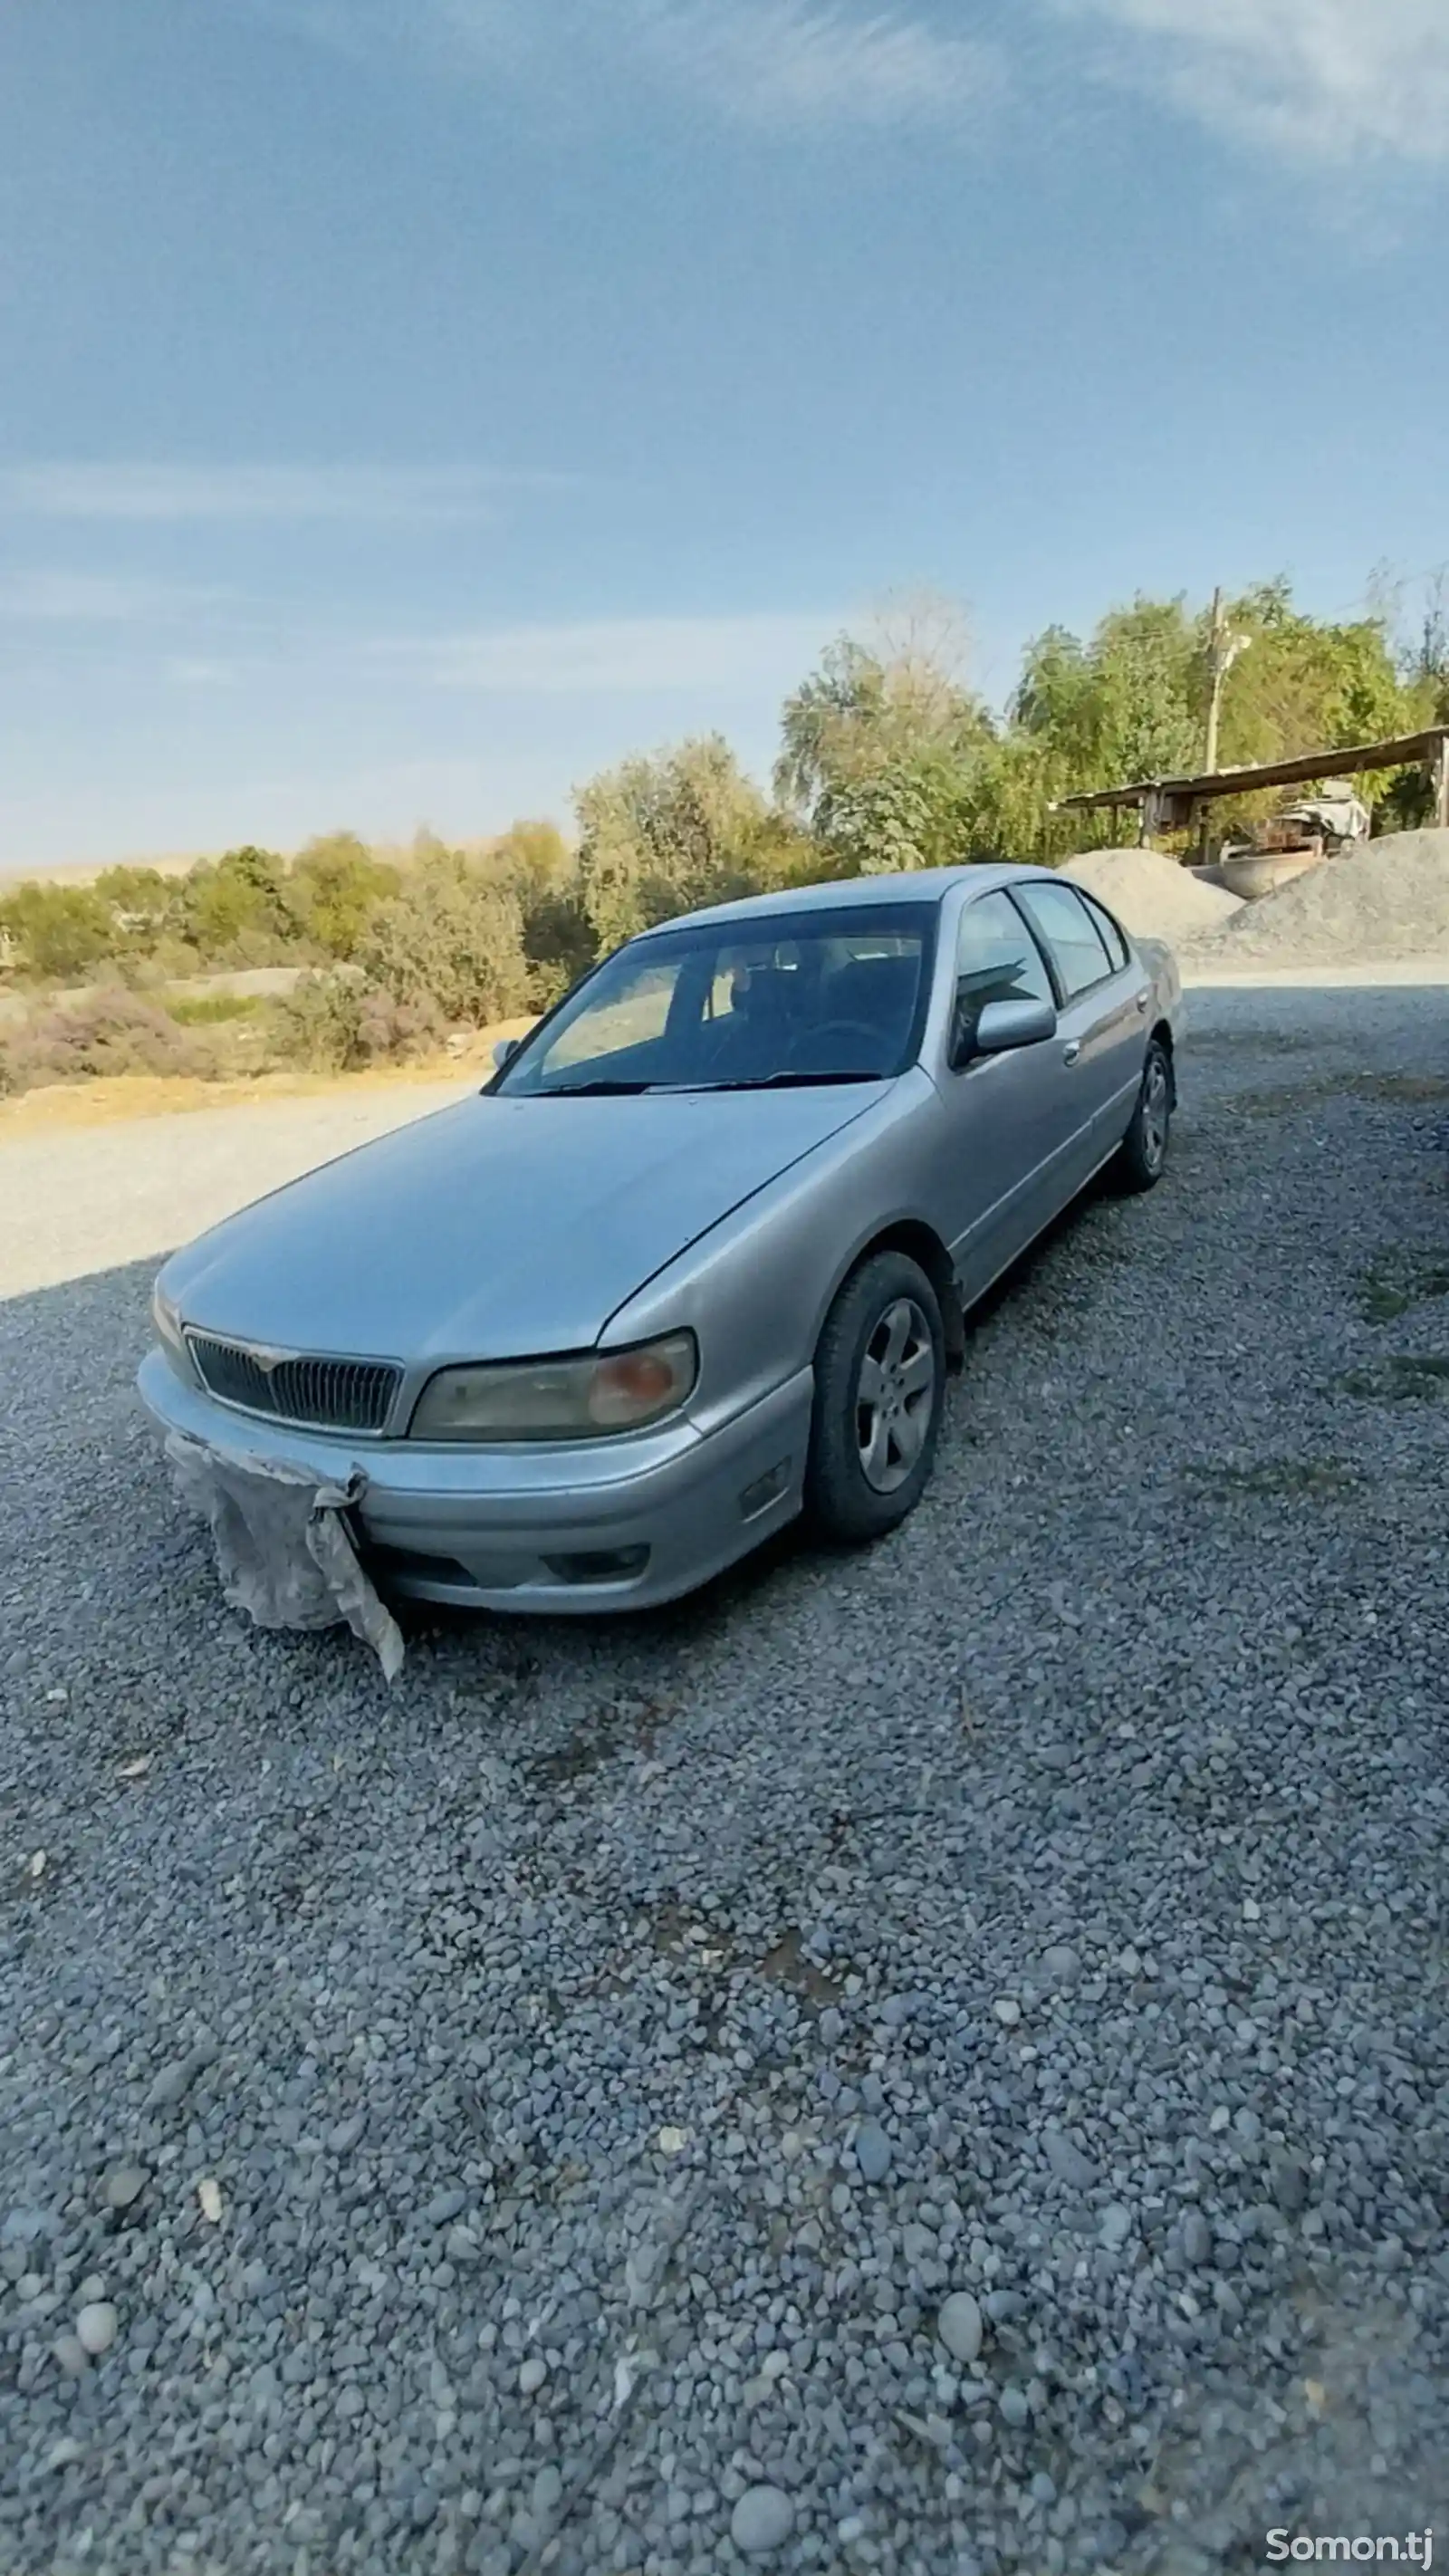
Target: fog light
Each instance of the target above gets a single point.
(599, 1565)
(765, 1490)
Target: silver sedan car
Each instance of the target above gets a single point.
(698, 1258)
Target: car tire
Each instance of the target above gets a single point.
(1141, 1158)
(880, 1385)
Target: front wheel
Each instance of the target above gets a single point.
(880, 1382)
(1141, 1158)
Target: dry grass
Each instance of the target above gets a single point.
(64, 1105)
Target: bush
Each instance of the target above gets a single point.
(334, 886)
(451, 943)
(338, 1024)
(111, 1031)
(558, 947)
(317, 1023)
(203, 1010)
(393, 1032)
(54, 931)
(235, 911)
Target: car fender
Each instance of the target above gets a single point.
(1167, 993)
(756, 1290)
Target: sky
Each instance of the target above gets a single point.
(409, 407)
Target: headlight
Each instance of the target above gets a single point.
(583, 1399)
(166, 1317)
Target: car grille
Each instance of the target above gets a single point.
(332, 1395)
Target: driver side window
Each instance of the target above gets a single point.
(997, 960)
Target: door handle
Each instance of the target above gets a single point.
(1142, 1001)
(1071, 1052)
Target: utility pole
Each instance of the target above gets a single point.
(1223, 651)
(1220, 662)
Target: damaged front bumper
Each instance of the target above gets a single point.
(580, 1528)
(283, 1542)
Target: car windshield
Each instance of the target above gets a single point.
(813, 997)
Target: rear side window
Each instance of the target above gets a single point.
(1116, 943)
(1076, 946)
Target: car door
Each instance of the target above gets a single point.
(1101, 1030)
(1003, 1114)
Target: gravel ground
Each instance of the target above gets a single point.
(936, 2062)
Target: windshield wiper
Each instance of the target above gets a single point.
(632, 1090)
(793, 1081)
(589, 1090)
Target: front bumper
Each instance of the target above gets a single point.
(515, 1529)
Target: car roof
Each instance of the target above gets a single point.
(919, 885)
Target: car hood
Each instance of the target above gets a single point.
(498, 1229)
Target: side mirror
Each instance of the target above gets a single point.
(1003, 1027)
(505, 1048)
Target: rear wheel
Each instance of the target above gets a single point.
(1142, 1157)
(880, 1381)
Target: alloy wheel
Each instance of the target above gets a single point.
(895, 1396)
(1156, 1109)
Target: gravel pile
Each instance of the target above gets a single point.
(1152, 896)
(1387, 900)
(933, 2064)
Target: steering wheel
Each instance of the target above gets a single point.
(716, 1043)
(856, 1034)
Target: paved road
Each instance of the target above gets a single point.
(548, 2104)
(85, 1198)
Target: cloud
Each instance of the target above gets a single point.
(589, 658)
(792, 63)
(622, 656)
(1317, 79)
(160, 492)
(786, 65)
(1345, 80)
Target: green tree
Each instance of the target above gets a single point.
(1406, 801)
(141, 903)
(885, 753)
(1424, 663)
(1305, 682)
(533, 863)
(1131, 702)
(872, 707)
(939, 810)
(234, 910)
(334, 886)
(665, 834)
(1127, 704)
(532, 859)
(904, 814)
(54, 932)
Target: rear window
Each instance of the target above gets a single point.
(1071, 937)
(1111, 934)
